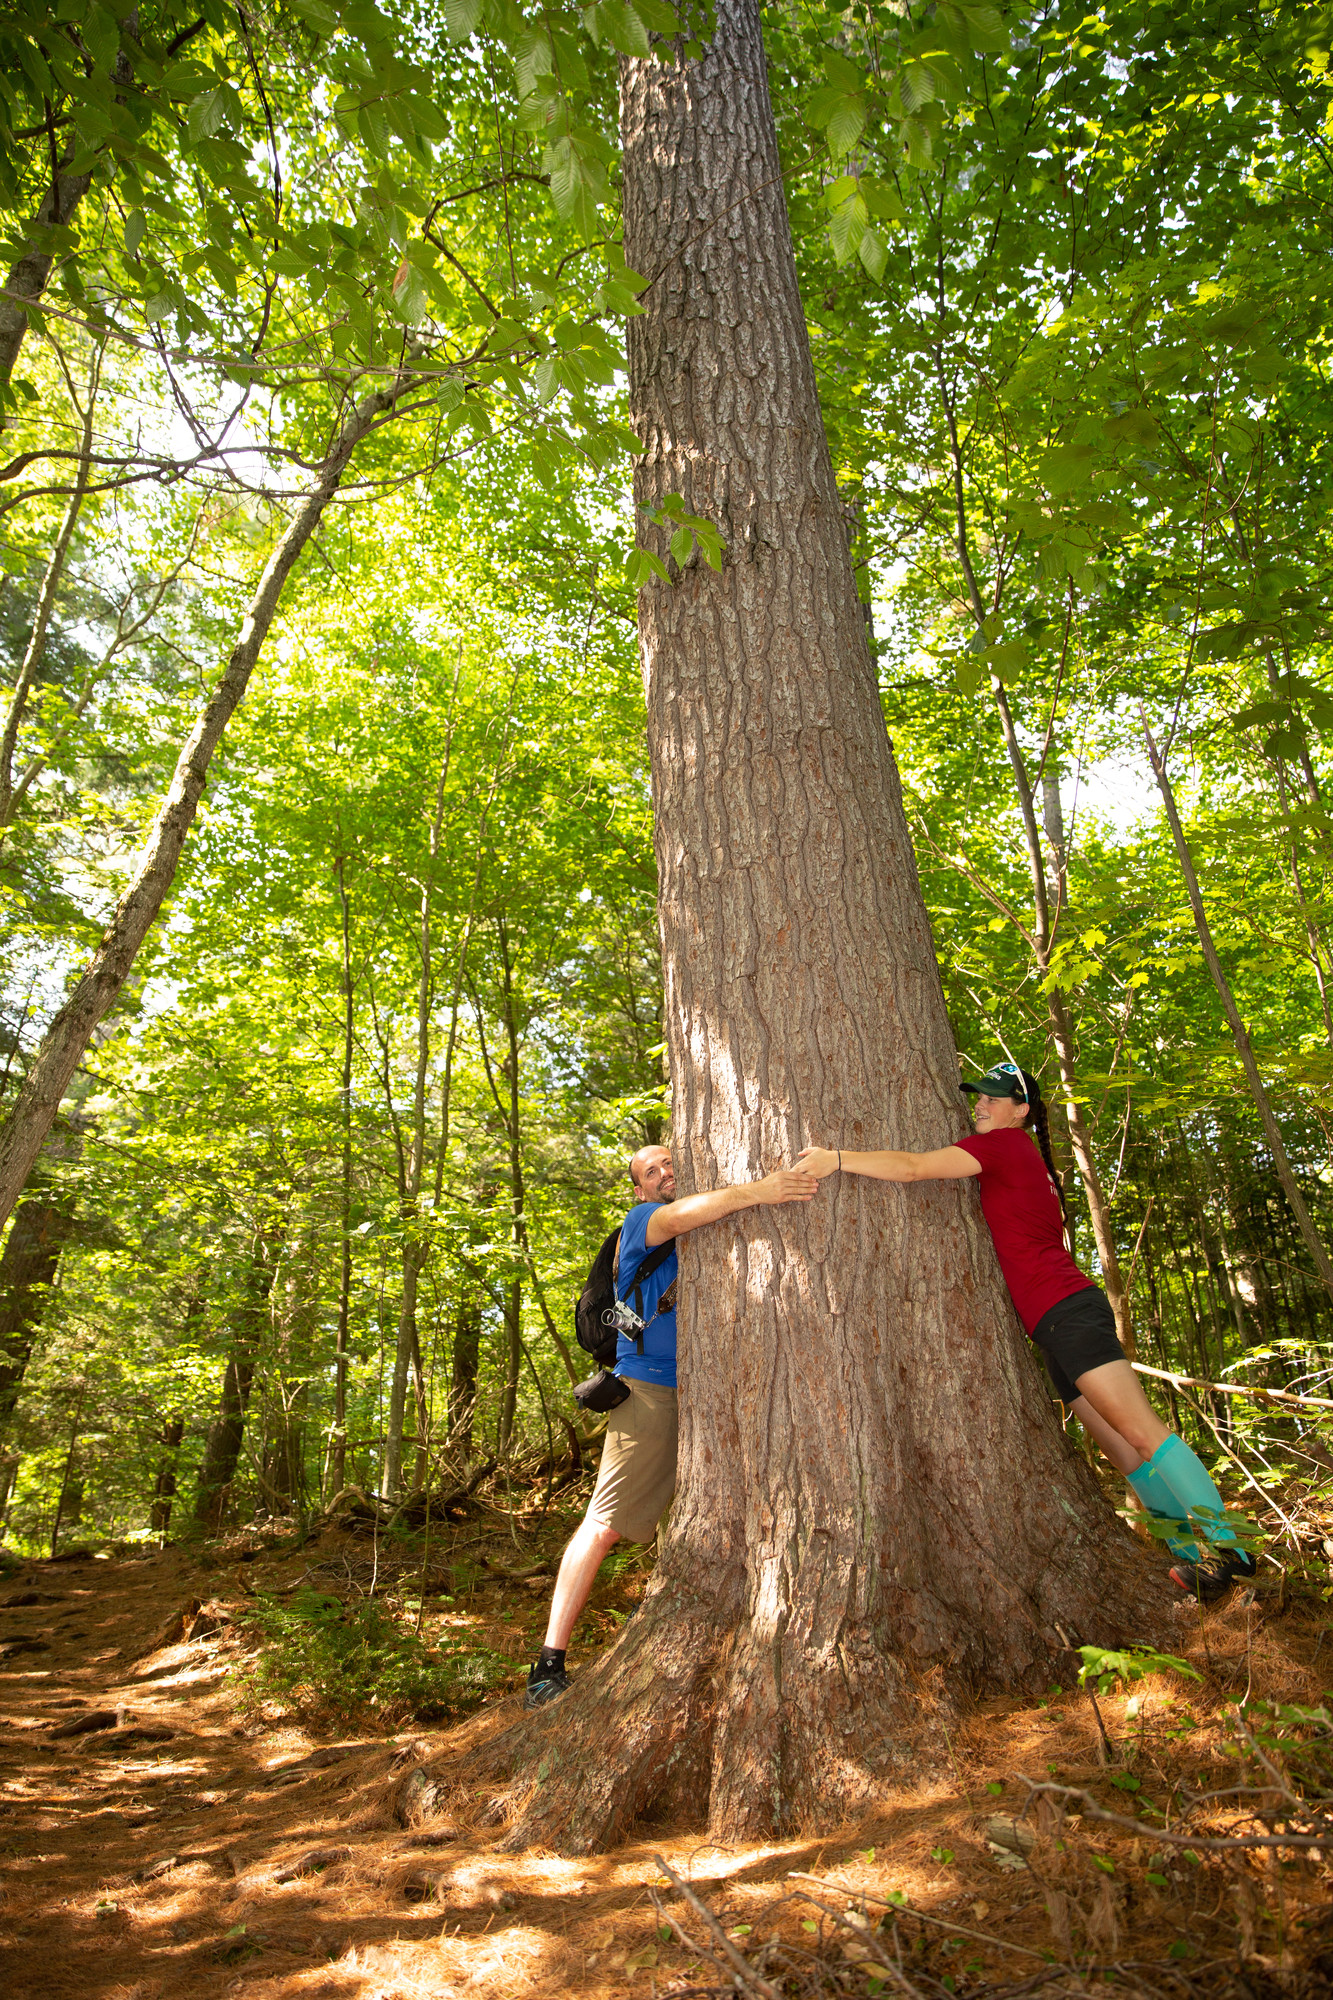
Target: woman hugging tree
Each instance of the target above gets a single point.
(1068, 1316)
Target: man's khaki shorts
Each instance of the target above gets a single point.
(638, 1471)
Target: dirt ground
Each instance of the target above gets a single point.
(190, 1848)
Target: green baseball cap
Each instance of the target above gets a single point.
(1005, 1079)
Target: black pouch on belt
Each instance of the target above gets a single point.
(601, 1392)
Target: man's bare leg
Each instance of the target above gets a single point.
(579, 1565)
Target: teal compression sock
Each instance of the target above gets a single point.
(1195, 1494)
(1161, 1502)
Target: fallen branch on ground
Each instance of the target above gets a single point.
(747, 1979)
(907, 1910)
(1226, 1845)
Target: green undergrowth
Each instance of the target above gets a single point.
(327, 1661)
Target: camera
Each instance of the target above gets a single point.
(622, 1316)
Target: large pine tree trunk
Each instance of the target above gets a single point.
(877, 1515)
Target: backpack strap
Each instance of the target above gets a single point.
(654, 1260)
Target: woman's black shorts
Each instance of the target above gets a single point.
(1076, 1335)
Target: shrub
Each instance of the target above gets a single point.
(317, 1656)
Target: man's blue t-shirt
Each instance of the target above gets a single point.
(657, 1363)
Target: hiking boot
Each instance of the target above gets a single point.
(1209, 1579)
(1241, 1562)
(545, 1684)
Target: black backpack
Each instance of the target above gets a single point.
(599, 1293)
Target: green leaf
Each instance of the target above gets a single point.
(205, 116)
(1180, 1949)
(995, 1787)
(846, 229)
(1100, 1861)
(135, 225)
(846, 125)
(158, 307)
(839, 113)
(916, 140)
(374, 128)
(1067, 466)
(461, 18)
(532, 59)
(916, 86)
(624, 27)
(101, 37)
(985, 26)
(660, 18)
(317, 16)
(1158, 1881)
(844, 75)
(682, 542)
(1220, 642)
(1137, 426)
(409, 293)
(881, 200)
(642, 564)
(873, 253)
(1006, 660)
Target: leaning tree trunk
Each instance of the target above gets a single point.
(877, 1514)
(99, 984)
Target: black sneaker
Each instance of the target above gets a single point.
(1209, 1579)
(545, 1684)
(1241, 1562)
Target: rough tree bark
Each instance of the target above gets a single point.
(877, 1514)
(28, 276)
(99, 986)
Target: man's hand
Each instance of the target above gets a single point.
(786, 1184)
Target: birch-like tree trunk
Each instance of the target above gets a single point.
(877, 1514)
(95, 993)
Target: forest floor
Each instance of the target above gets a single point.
(192, 1840)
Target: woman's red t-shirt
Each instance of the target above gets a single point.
(1019, 1201)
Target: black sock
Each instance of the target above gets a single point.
(550, 1658)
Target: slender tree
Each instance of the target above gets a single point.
(99, 986)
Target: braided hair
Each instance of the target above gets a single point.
(1041, 1132)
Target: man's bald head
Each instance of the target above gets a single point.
(652, 1174)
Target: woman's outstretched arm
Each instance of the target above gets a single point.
(950, 1163)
